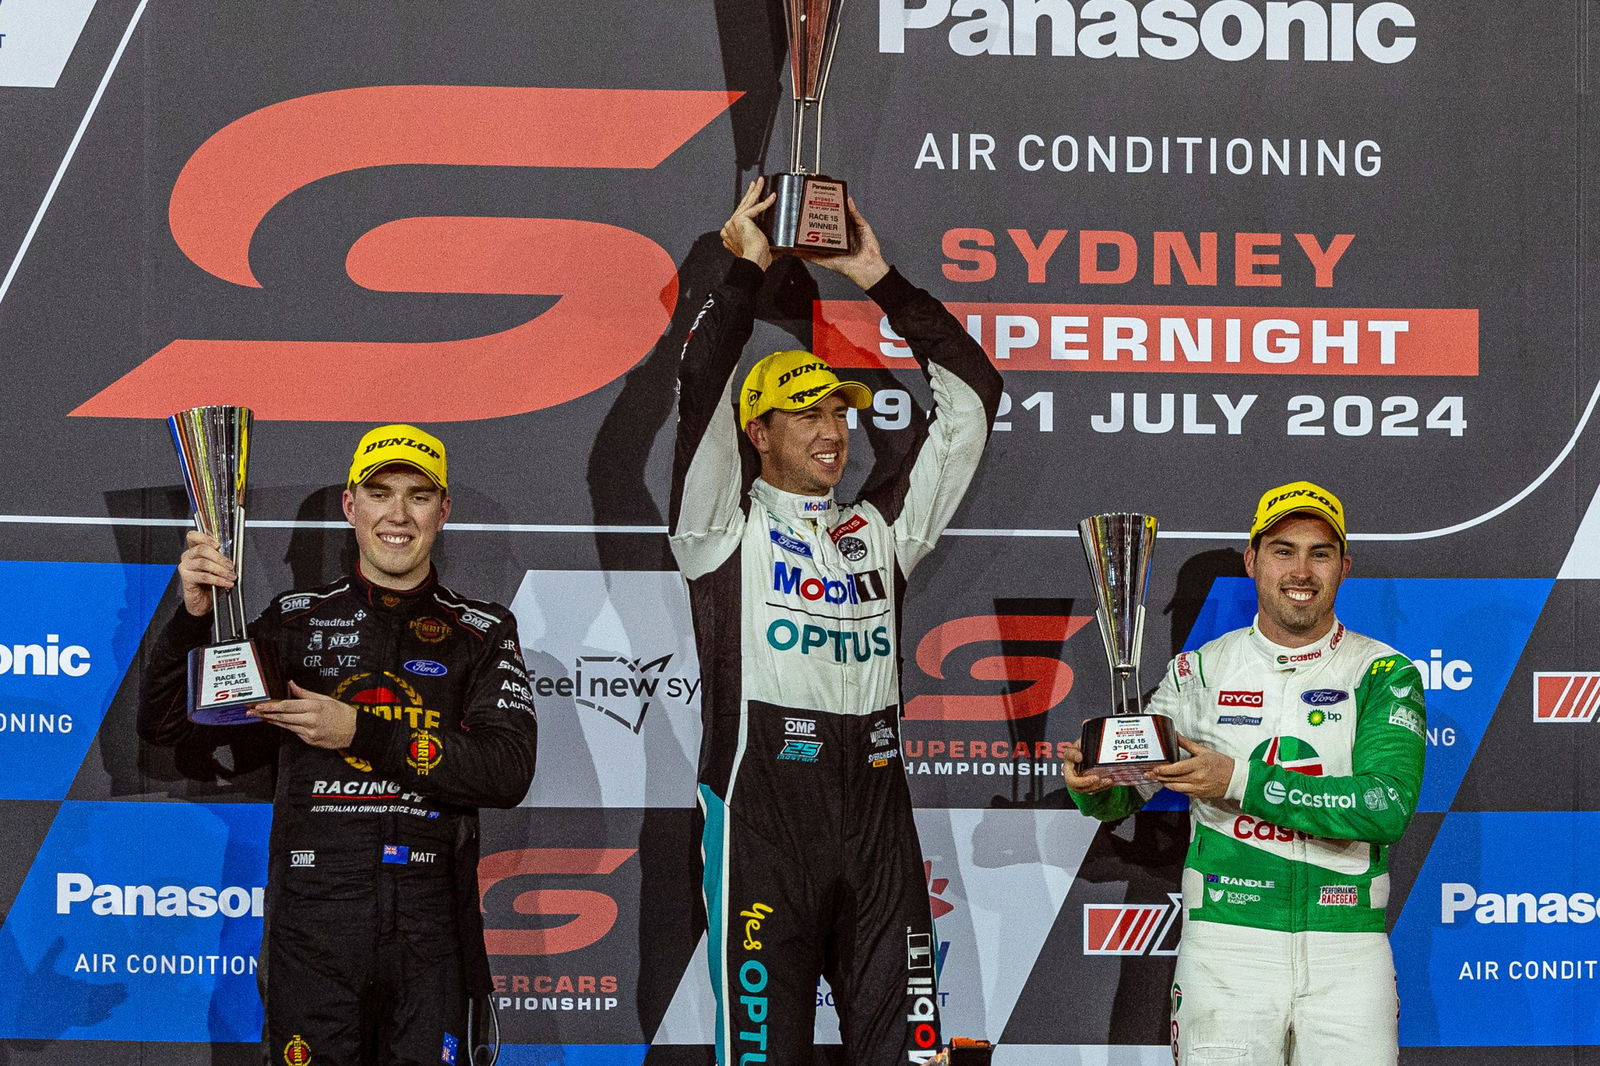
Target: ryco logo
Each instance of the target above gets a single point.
(1239, 699)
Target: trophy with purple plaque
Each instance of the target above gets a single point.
(810, 211)
(228, 675)
(1127, 742)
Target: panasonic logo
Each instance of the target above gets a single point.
(1514, 908)
(1231, 30)
(44, 660)
(165, 901)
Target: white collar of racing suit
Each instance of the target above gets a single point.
(1288, 659)
(793, 507)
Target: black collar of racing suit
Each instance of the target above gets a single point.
(383, 596)
(1289, 659)
(793, 507)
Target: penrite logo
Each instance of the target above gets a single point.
(1570, 696)
(519, 902)
(616, 287)
(1132, 928)
(1027, 684)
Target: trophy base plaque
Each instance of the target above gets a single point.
(225, 680)
(809, 214)
(1121, 747)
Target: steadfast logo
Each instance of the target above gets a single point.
(151, 901)
(1173, 30)
(1515, 908)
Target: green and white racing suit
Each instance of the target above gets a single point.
(1284, 956)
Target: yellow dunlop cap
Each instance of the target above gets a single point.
(398, 443)
(1297, 497)
(793, 381)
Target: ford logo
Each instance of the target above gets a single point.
(1323, 697)
(429, 668)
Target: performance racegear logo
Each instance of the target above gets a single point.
(615, 286)
(1230, 30)
(1132, 928)
(1569, 696)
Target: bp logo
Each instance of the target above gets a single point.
(1291, 753)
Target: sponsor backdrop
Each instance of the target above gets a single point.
(1212, 244)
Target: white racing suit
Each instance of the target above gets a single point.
(1284, 958)
(812, 864)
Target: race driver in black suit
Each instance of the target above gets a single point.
(408, 709)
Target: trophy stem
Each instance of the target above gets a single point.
(796, 137)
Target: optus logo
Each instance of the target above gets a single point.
(616, 288)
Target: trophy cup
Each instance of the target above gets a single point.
(229, 674)
(1125, 743)
(810, 210)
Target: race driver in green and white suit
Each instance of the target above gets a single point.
(1305, 749)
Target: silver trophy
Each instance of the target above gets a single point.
(810, 211)
(1127, 742)
(228, 675)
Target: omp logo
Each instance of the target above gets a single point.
(1515, 908)
(1027, 679)
(519, 904)
(1570, 696)
(49, 659)
(165, 901)
(1132, 928)
(616, 287)
(1230, 30)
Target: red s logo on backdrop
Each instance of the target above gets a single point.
(616, 287)
(1045, 680)
(591, 913)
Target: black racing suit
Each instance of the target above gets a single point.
(374, 934)
(812, 864)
